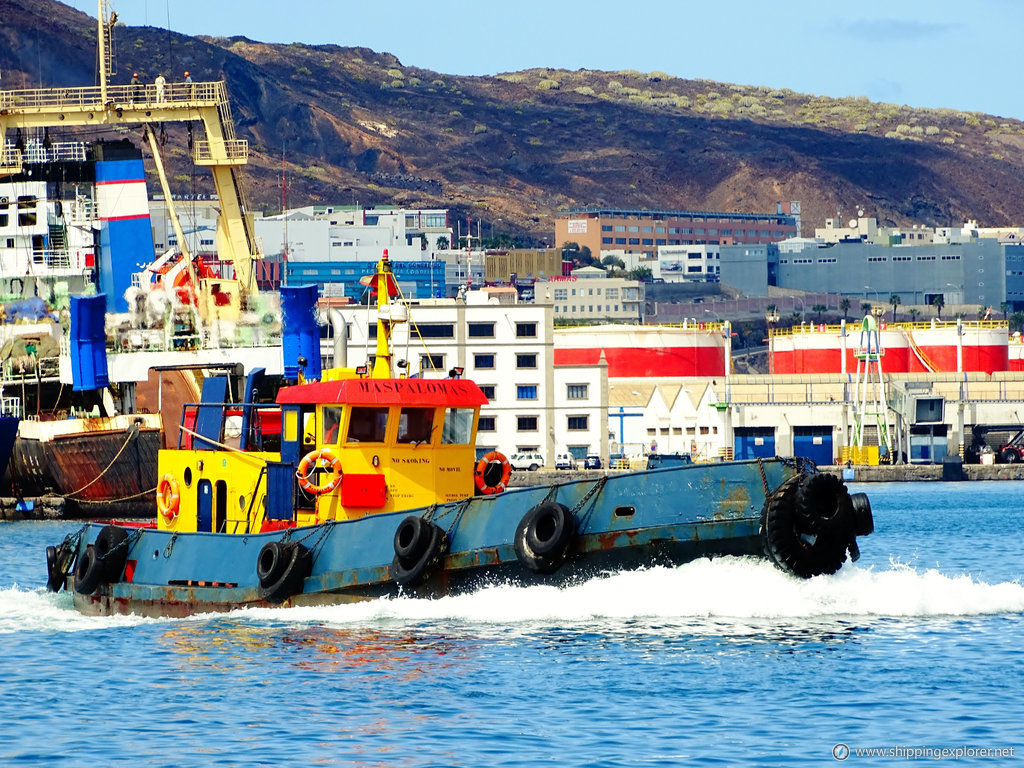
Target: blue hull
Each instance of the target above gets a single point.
(665, 516)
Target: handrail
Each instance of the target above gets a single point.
(918, 352)
(90, 96)
(819, 328)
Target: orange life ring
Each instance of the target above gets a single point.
(487, 485)
(308, 465)
(167, 497)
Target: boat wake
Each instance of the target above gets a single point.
(723, 589)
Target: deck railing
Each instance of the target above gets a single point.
(91, 97)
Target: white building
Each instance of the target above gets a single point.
(508, 351)
(589, 294)
(198, 221)
(689, 263)
(666, 416)
(348, 233)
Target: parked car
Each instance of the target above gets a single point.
(593, 461)
(565, 461)
(528, 461)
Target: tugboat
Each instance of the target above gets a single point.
(366, 484)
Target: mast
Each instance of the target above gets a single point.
(382, 362)
(284, 215)
(105, 38)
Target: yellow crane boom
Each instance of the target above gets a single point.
(113, 105)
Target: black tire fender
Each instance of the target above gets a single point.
(789, 542)
(272, 562)
(54, 574)
(544, 536)
(292, 561)
(112, 550)
(88, 571)
(419, 548)
(823, 503)
(411, 537)
(863, 521)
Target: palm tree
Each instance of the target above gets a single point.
(894, 299)
(865, 307)
(819, 308)
(1004, 308)
(938, 302)
(913, 312)
(1016, 321)
(845, 306)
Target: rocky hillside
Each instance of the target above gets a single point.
(354, 125)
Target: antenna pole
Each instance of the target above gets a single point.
(105, 35)
(284, 216)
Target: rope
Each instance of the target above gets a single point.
(129, 498)
(231, 448)
(131, 433)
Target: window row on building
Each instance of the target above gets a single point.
(529, 391)
(572, 308)
(561, 294)
(528, 423)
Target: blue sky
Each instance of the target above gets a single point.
(939, 53)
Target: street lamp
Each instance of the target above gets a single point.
(803, 307)
(771, 318)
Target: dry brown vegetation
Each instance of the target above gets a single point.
(355, 125)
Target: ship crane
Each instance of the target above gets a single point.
(108, 105)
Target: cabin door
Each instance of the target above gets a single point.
(204, 506)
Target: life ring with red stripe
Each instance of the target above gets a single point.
(308, 466)
(492, 473)
(168, 498)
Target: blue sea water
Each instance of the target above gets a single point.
(920, 645)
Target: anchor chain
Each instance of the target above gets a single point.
(170, 544)
(595, 488)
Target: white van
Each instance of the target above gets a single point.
(528, 461)
(565, 461)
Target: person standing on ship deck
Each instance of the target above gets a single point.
(189, 90)
(159, 82)
(136, 89)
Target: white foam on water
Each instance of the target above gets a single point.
(726, 589)
(24, 610)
